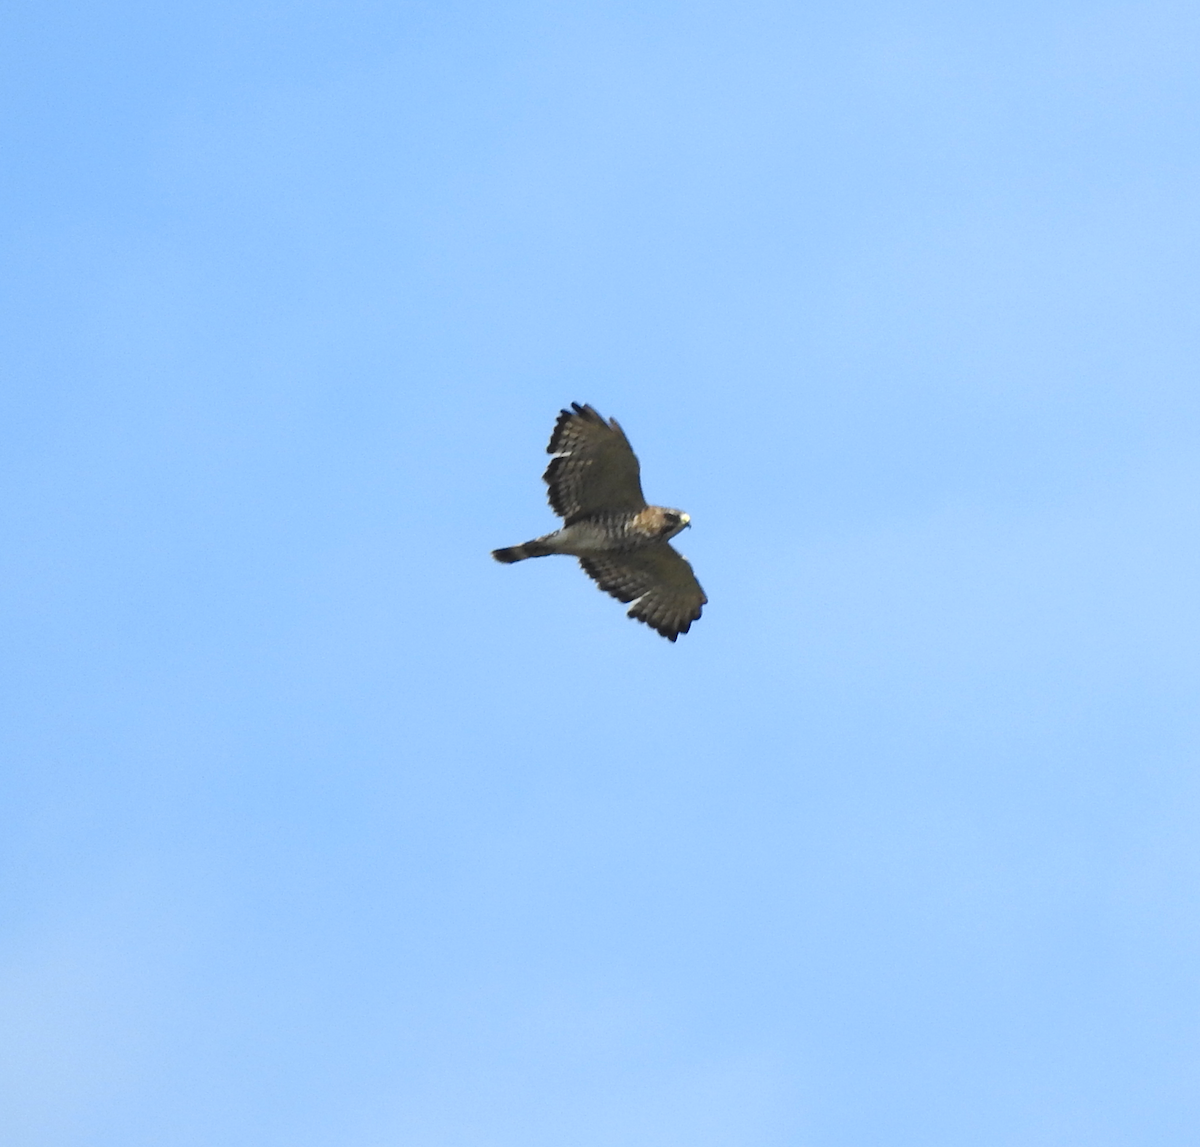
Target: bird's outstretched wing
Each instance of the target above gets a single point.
(594, 469)
(658, 580)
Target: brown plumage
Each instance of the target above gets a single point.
(622, 543)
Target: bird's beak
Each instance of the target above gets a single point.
(686, 519)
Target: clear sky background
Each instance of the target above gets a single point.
(321, 829)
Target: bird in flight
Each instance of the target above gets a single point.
(622, 543)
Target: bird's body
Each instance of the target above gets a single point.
(621, 542)
(601, 534)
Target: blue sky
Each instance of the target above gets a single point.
(321, 829)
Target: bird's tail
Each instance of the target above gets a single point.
(535, 549)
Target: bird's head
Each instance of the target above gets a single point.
(673, 521)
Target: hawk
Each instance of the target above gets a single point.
(622, 543)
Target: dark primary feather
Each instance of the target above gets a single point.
(658, 580)
(595, 469)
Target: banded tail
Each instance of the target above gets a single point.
(535, 549)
